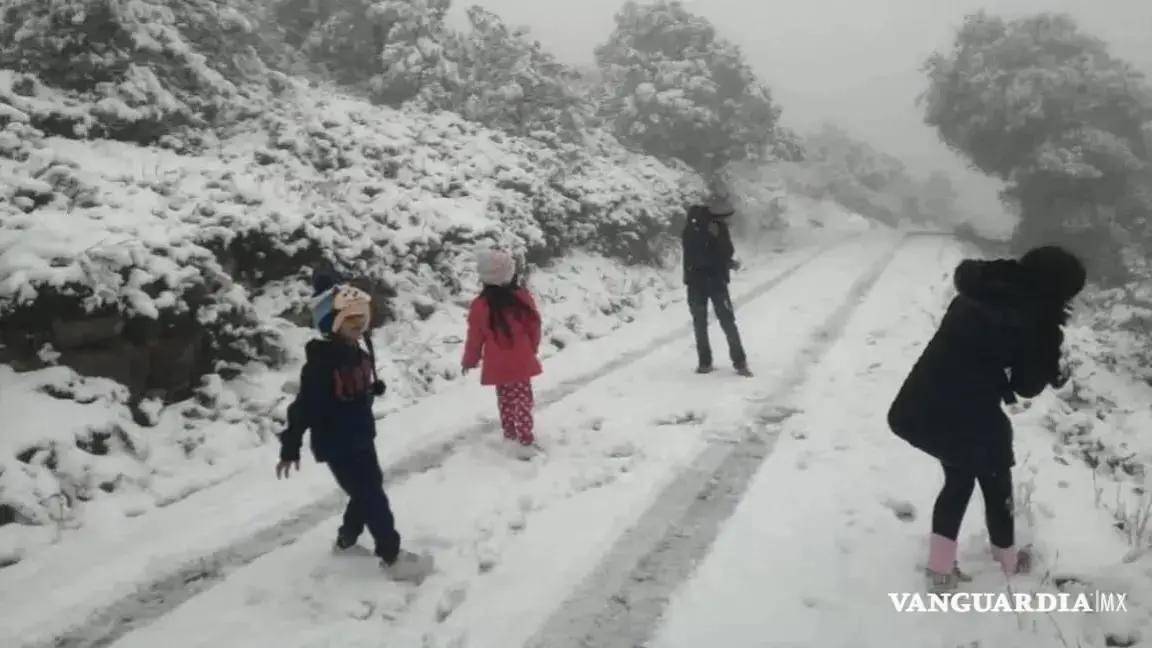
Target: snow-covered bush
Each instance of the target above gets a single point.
(140, 69)
(840, 167)
(404, 53)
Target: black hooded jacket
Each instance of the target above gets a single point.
(707, 247)
(999, 339)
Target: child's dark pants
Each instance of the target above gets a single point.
(360, 476)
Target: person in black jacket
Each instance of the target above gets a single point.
(999, 339)
(337, 387)
(708, 261)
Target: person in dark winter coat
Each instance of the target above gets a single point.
(504, 328)
(337, 387)
(708, 262)
(1000, 339)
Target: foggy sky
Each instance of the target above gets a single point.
(853, 62)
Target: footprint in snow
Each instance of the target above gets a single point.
(622, 451)
(517, 522)
(450, 601)
(686, 418)
(775, 415)
(487, 557)
(362, 610)
(905, 511)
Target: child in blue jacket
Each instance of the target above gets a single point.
(337, 387)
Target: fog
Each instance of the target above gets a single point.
(852, 62)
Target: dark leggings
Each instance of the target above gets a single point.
(953, 501)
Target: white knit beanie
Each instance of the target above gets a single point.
(496, 267)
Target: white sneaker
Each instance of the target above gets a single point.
(409, 567)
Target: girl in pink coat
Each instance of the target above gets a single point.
(504, 334)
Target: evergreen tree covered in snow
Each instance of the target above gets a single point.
(401, 48)
(417, 57)
(508, 81)
(1045, 107)
(150, 66)
(683, 92)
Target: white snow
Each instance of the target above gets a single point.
(817, 543)
(88, 568)
(496, 525)
(836, 518)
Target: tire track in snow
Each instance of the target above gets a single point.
(620, 603)
(160, 595)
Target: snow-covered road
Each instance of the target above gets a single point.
(670, 509)
(514, 539)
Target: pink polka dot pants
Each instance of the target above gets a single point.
(516, 402)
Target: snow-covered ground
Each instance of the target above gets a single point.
(838, 516)
(92, 567)
(639, 461)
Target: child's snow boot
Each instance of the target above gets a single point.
(704, 368)
(409, 567)
(943, 573)
(743, 370)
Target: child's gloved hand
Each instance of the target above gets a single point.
(378, 388)
(735, 264)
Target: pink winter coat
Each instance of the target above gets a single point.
(505, 360)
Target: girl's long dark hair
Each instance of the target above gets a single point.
(502, 303)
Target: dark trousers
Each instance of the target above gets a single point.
(360, 476)
(953, 501)
(700, 292)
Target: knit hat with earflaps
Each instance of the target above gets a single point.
(333, 302)
(495, 267)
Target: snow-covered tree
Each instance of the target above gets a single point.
(1046, 108)
(840, 167)
(149, 65)
(681, 91)
(401, 48)
(417, 59)
(508, 81)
